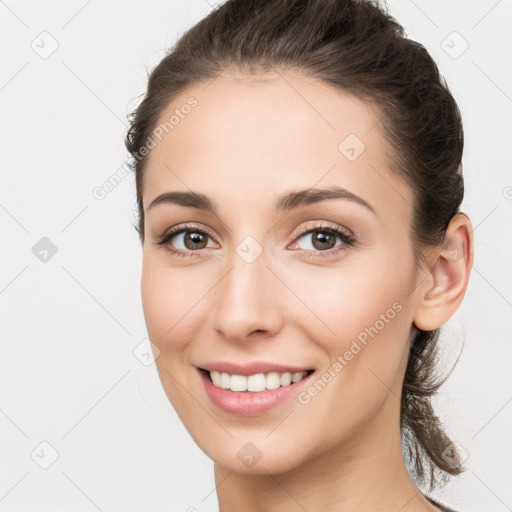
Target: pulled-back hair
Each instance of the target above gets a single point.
(359, 48)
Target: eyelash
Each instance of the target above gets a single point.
(347, 239)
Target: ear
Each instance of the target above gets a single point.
(441, 292)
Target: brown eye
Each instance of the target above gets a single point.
(321, 239)
(185, 241)
(194, 240)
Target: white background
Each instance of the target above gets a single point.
(69, 326)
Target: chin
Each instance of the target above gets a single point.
(253, 454)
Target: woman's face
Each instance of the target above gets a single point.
(264, 279)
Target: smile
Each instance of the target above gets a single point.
(252, 395)
(255, 383)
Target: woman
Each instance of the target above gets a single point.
(298, 172)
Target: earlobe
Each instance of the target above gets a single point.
(442, 293)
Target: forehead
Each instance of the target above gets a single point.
(267, 133)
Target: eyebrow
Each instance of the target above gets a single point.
(286, 202)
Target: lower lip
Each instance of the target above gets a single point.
(248, 403)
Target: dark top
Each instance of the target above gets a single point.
(441, 507)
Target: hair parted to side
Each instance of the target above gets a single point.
(358, 47)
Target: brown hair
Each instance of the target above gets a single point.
(358, 47)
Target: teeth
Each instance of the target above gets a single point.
(255, 383)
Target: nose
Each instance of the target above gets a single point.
(248, 302)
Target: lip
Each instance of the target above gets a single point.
(251, 368)
(247, 403)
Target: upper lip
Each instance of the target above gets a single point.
(251, 368)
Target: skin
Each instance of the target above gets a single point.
(247, 142)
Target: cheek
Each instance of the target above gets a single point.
(170, 304)
(359, 316)
(342, 304)
(361, 323)
(171, 301)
